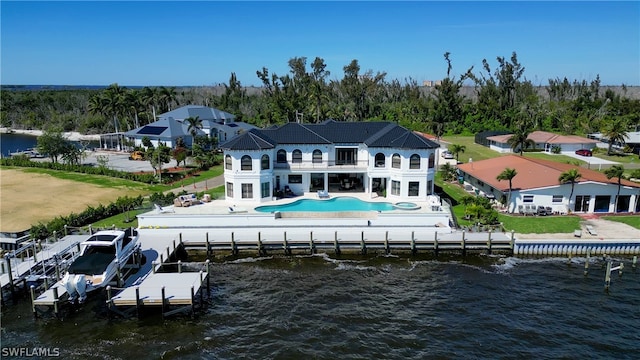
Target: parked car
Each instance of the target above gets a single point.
(447, 154)
(584, 152)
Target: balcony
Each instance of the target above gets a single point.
(311, 165)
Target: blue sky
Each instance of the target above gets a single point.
(201, 43)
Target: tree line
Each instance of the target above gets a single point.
(502, 98)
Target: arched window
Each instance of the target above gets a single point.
(265, 162)
(414, 161)
(395, 161)
(281, 156)
(296, 156)
(227, 162)
(380, 160)
(432, 161)
(317, 156)
(245, 163)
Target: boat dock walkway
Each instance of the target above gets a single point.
(17, 268)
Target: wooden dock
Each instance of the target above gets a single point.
(172, 292)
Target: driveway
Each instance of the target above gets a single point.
(591, 160)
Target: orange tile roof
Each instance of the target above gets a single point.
(541, 137)
(532, 173)
(425, 135)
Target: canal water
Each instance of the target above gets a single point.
(321, 307)
(10, 143)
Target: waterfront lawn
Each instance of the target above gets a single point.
(120, 220)
(540, 224)
(629, 220)
(98, 180)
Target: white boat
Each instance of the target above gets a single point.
(102, 258)
(32, 153)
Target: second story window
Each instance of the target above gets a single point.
(265, 162)
(228, 162)
(317, 156)
(414, 161)
(296, 156)
(245, 163)
(395, 161)
(281, 156)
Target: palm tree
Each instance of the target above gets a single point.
(150, 98)
(570, 176)
(113, 102)
(616, 171)
(508, 174)
(520, 140)
(456, 149)
(616, 132)
(194, 123)
(167, 96)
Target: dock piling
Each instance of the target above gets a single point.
(489, 243)
(32, 288)
(586, 263)
(336, 244)
(138, 312)
(311, 245)
(56, 298)
(463, 244)
(413, 243)
(635, 260)
(363, 246)
(163, 301)
(208, 245)
(234, 248)
(435, 242)
(179, 266)
(387, 250)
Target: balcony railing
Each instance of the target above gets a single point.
(362, 164)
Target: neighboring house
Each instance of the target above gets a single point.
(544, 141)
(365, 157)
(632, 140)
(165, 130)
(171, 125)
(536, 183)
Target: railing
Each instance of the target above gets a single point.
(362, 164)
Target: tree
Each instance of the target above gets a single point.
(180, 155)
(195, 124)
(448, 172)
(456, 149)
(53, 144)
(570, 176)
(520, 141)
(508, 174)
(616, 132)
(447, 104)
(72, 155)
(616, 171)
(157, 157)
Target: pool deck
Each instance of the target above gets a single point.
(222, 214)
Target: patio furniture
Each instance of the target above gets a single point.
(323, 194)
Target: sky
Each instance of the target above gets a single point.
(153, 43)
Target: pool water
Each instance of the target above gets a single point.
(335, 204)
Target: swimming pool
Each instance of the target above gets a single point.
(343, 203)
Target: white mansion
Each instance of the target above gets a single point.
(346, 157)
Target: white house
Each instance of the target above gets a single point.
(367, 157)
(536, 183)
(545, 141)
(171, 125)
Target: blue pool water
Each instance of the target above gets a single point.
(335, 204)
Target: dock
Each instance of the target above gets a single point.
(33, 262)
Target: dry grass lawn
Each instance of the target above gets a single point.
(28, 198)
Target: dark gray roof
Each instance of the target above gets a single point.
(373, 134)
(295, 133)
(251, 140)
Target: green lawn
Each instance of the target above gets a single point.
(473, 150)
(540, 224)
(629, 220)
(621, 158)
(119, 220)
(98, 180)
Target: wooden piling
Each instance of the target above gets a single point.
(435, 242)
(153, 266)
(413, 244)
(463, 244)
(635, 260)
(163, 301)
(259, 243)
(33, 300)
(138, 303)
(586, 263)
(109, 301)
(363, 246)
(285, 245)
(118, 274)
(387, 250)
(311, 245)
(336, 244)
(208, 263)
(208, 245)
(55, 300)
(489, 243)
(234, 248)
(607, 276)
